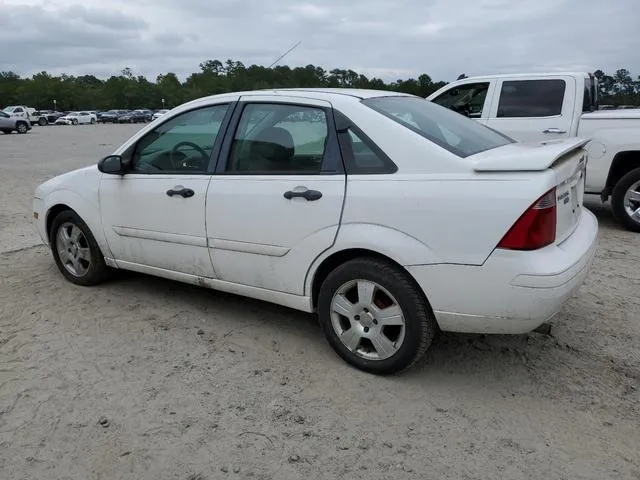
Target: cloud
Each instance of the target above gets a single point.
(386, 38)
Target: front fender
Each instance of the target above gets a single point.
(87, 209)
(394, 244)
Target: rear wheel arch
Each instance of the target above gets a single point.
(623, 163)
(340, 257)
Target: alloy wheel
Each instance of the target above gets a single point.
(73, 249)
(368, 320)
(632, 202)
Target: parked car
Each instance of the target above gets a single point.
(27, 113)
(50, 116)
(10, 124)
(387, 215)
(135, 116)
(159, 113)
(75, 118)
(148, 114)
(111, 116)
(537, 107)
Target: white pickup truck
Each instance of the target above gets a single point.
(27, 113)
(541, 107)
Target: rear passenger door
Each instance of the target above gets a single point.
(275, 202)
(533, 109)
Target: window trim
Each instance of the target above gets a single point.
(500, 86)
(343, 125)
(215, 152)
(331, 163)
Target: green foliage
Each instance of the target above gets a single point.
(127, 90)
(619, 88)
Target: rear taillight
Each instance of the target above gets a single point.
(536, 228)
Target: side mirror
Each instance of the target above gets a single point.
(112, 164)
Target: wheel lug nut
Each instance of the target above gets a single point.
(357, 317)
(366, 329)
(375, 322)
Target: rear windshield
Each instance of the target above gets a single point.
(450, 130)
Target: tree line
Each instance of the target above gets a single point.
(130, 91)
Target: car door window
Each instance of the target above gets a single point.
(362, 156)
(466, 99)
(531, 98)
(18, 110)
(182, 145)
(279, 139)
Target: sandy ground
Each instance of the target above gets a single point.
(196, 384)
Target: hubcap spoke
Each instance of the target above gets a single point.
(384, 347)
(75, 233)
(76, 266)
(351, 339)
(63, 235)
(390, 316)
(342, 306)
(84, 253)
(634, 196)
(365, 292)
(636, 215)
(64, 256)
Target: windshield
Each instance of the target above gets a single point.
(9, 109)
(450, 130)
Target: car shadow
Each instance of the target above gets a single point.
(476, 355)
(602, 211)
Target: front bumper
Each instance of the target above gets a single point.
(513, 291)
(39, 219)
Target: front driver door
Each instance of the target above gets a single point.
(154, 215)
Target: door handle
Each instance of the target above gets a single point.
(180, 190)
(310, 195)
(554, 130)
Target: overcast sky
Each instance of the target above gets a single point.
(386, 38)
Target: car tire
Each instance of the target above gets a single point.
(76, 253)
(401, 341)
(74, 122)
(622, 204)
(93, 121)
(6, 131)
(42, 122)
(22, 127)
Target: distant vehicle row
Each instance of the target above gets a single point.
(31, 116)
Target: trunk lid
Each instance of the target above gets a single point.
(566, 158)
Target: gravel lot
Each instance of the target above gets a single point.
(196, 384)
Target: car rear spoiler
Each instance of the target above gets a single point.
(525, 156)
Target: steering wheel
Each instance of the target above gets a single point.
(184, 162)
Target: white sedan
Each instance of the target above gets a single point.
(389, 216)
(159, 113)
(75, 118)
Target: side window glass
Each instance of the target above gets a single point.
(531, 98)
(364, 158)
(183, 144)
(18, 110)
(279, 139)
(465, 99)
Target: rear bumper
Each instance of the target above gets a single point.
(513, 291)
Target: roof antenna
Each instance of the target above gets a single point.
(284, 54)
